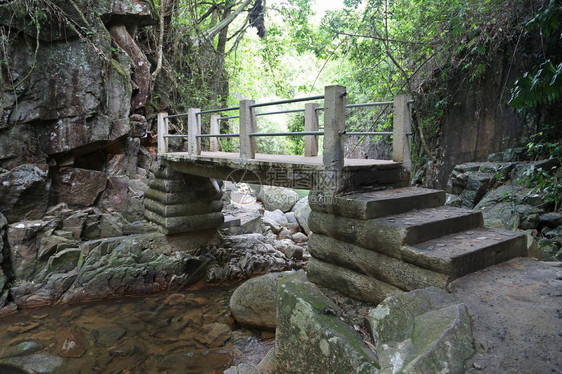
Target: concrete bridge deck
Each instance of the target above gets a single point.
(288, 170)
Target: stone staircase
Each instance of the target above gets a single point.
(375, 244)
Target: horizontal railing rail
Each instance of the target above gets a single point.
(288, 101)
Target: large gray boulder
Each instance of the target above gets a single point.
(311, 337)
(278, 198)
(423, 331)
(254, 303)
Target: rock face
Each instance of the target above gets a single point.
(422, 331)
(74, 151)
(254, 303)
(105, 267)
(310, 336)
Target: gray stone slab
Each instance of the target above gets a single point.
(381, 203)
(368, 262)
(185, 209)
(466, 252)
(351, 283)
(388, 235)
(181, 197)
(174, 225)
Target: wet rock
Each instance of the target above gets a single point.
(81, 187)
(22, 349)
(281, 198)
(302, 212)
(24, 192)
(422, 331)
(214, 335)
(70, 343)
(254, 302)
(108, 335)
(35, 363)
(19, 328)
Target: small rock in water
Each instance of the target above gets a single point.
(23, 348)
(36, 363)
(22, 327)
(214, 335)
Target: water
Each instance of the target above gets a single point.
(190, 332)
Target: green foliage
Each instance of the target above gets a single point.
(547, 183)
(296, 143)
(542, 87)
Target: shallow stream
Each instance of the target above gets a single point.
(188, 332)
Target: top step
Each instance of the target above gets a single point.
(388, 202)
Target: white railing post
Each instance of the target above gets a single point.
(402, 130)
(334, 126)
(248, 125)
(214, 145)
(162, 131)
(310, 124)
(193, 129)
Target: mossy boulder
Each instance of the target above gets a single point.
(311, 337)
(423, 331)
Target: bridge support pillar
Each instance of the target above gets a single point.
(181, 203)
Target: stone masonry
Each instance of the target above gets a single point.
(182, 203)
(372, 245)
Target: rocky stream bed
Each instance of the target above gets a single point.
(187, 332)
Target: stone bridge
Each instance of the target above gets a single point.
(373, 235)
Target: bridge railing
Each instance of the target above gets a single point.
(334, 127)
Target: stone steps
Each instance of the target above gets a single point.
(390, 234)
(401, 239)
(382, 203)
(466, 252)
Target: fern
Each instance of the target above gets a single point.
(543, 87)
